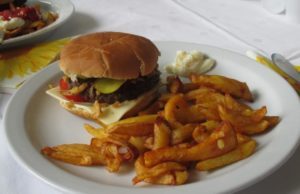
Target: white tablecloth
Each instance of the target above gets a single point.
(233, 24)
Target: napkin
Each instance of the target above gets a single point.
(18, 65)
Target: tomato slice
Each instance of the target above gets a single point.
(63, 84)
(74, 98)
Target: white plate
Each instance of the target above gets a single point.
(34, 120)
(64, 9)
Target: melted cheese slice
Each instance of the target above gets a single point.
(110, 113)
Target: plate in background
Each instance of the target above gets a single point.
(64, 9)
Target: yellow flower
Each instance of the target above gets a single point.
(24, 61)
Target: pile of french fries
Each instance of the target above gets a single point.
(203, 124)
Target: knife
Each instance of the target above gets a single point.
(285, 65)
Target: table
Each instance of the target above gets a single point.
(236, 25)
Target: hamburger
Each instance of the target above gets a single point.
(107, 76)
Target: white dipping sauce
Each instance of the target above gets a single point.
(190, 62)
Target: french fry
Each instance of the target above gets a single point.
(77, 154)
(189, 87)
(241, 118)
(183, 133)
(203, 130)
(112, 156)
(172, 178)
(168, 173)
(193, 94)
(211, 97)
(126, 151)
(135, 120)
(210, 125)
(138, 143)
(242, 138)
(207, 102)
(165, 97)
(272, 120)
(134, 126)
(96, 132)
(171, 108)
(234, 105)
(242, 151)
(184, 145)
(178, 112)
(224, 84)
(255, 128)
(246, 122)
(115, 152)
(202, 112)
(136, 129)
(162, 133)
(196, 113)
(101, 133)
(255, 115)
(221, 141)
(200, 133)
(174, 85)
(149, 142)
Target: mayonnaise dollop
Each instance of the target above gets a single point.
(11, 24)
(190, 62)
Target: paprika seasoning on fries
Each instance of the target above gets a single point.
(202, 125)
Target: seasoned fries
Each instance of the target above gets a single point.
(161, 134)
(225, 85)
(134, 126)
(181, 134)
(99, 133)
(167, 173)
(222, 140)
(204, 122)
(242, 151)
(78, 154)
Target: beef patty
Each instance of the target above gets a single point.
(129, 90)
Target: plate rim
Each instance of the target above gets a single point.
(109, 188)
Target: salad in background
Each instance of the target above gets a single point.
(17, 18)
